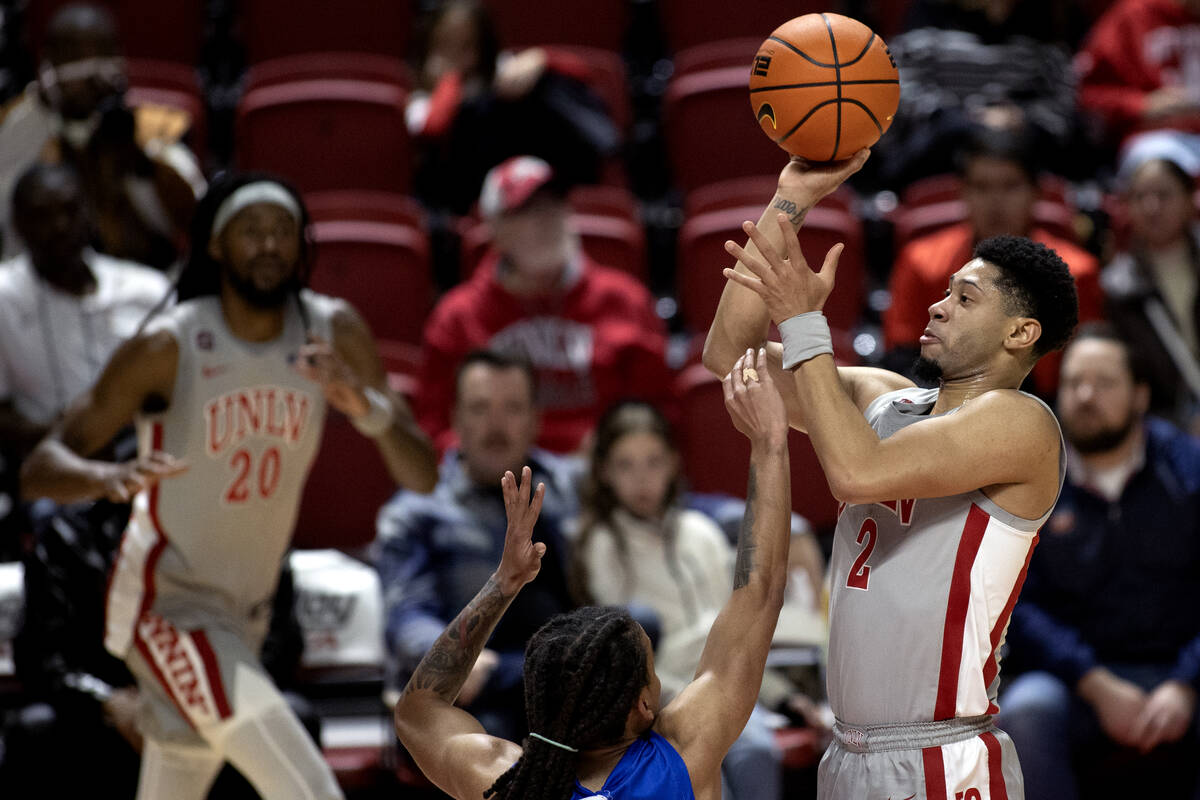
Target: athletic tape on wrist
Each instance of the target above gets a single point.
(379, 414)
(805, 336)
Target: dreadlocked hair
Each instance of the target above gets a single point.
(583, 673)
(201, 273)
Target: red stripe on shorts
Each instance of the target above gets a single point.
(995, 766)
(956, 612)
(935, 773)
(200, 640)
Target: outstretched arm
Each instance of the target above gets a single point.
(448, 744)
(708, 715)
(742, 320)
(350, 373)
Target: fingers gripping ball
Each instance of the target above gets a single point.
(823, 86)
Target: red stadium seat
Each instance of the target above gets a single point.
(168, 31)
(710, 129)
(402, 362)
(276, 28)
(336, 511)
(383, 269)
(702, 256)
(759, 189)
(716, 457)
(327, 134)
(171, 84)
(605, 201)
(351, 66)
(369, 206)
(595, 23)
(688, 23)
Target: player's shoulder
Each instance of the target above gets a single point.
(16, 278)
(1016, 411)
(129, 277)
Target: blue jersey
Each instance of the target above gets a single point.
(651, 769)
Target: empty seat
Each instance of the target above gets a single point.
(710, 128)
(372, 67)
(595, 23)
(364, 205)
(716, 458)
(687, 23)
(327, 134)
(276, 28)
(701, 257)
(381, 268)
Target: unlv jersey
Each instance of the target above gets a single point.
(210, 542)
(921, 594)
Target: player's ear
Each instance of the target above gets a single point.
(214, 249)
(1024, 333)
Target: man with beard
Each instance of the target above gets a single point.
(229, 390)
(1106, 626)
(435, 552)
(943, 492)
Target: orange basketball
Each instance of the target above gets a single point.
(823, 86)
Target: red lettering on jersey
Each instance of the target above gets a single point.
(218, 433)
(274, 425)
(249, 420)
(901, 508)
(296, 415)
(175, 661)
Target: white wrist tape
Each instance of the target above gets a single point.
(804, 336)
(379, 415)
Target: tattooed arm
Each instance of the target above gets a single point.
(706, 717)
(448, 744)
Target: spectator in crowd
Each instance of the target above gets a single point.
(1140, 69)
(1000, 188)
(1151, 288)
(636, 545)
(141, 181)
(434, 552)
(477, 105)
(63, 310)
(997, 63)
(1105, 624)
(589, 331)
(63, 307)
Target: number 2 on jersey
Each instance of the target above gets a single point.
(860, 571)
(268, 475)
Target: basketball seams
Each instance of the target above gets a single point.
(837, 68)
(818, 84)
(801, 53)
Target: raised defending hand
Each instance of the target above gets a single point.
(753, 401)
(342, 387)
(121, 482)
(783, 280)
(522, 556)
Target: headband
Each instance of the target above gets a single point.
(252, 194)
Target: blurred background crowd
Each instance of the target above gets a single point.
(527, 202)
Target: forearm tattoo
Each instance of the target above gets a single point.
(746, 544)
(448, 663)
(795, 213)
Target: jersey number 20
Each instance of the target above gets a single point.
(860, 571)
(269, 465)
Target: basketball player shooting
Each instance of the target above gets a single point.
(591, 692)
(229, 389)
(943, 491)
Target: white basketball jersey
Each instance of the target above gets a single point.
(921, 594)
(211, 541)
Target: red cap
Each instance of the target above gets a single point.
(510, 184)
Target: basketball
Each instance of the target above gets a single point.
(823, 86)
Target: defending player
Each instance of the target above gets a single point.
(591, 692)
(943, 492)
(229, 390)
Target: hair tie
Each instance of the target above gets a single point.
(559, 745)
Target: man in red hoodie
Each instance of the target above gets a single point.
(590, 332)
(1140, 67)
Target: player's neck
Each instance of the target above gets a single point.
(594, 766)
(248, 322)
